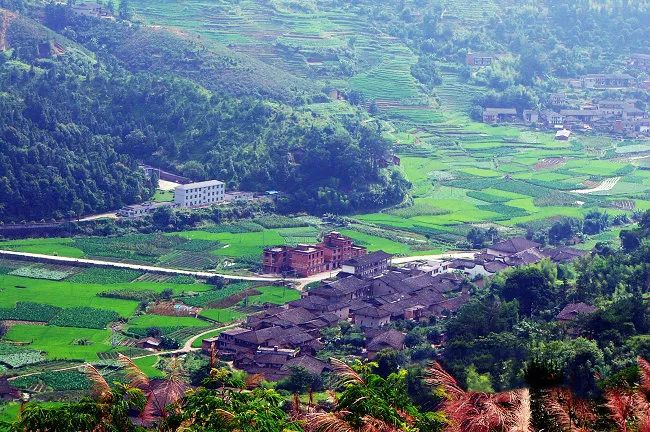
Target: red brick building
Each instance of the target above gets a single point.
(307, 260)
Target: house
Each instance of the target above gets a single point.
(640, 61)
(200, 194)
(344, 289)
(7, 392)
(511, 247)
(141, 210)
(319, 305)
(563, 254)
(596, 81)
(371, 317)
(530, 116)
(479, 59)
(306, 260)
(307, 362)
(391, 339)
(150, 343)
(581, 115)
(563, 135)
(573, 311)
(368, 265)
(552, 118)
(497, 115)
(557, 99)
(208, 344)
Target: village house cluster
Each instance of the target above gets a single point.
(514, 252)
(275, 340)
(626, 117)
(622, 117)
(306, 260)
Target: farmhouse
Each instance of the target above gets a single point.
(479, 59)
(391, 339)
(557, 99)
(497, 115)
(141, 210)
(200, 194)
(367, 265)
(596, 81)
(573, 311)
(7, 392)
(306, 260)
(530, 116)
(552, 118)
(563, 135)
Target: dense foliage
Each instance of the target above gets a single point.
(73, 128)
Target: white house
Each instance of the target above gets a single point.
(200, 194)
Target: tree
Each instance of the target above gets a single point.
(531, 288)
(630, 240)
(370, 402)
(124, 10)
(300, 380)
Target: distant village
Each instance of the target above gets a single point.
(369, 292)
(566, 115)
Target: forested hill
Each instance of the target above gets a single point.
(74, 120)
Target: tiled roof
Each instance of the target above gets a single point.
(307, 362)
(372, 312)
(390, 338)
(573, 310)
(371, 258)
(514, 245)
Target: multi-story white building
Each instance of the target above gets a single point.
(200, 194)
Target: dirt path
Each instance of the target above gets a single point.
(604, 186)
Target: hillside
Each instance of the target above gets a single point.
(64, 104)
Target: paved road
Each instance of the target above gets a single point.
(112, 264)
(301, 282)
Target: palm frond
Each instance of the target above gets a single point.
(620, 405)
(101, 391)
(134, 374)
(328, 422)
(225, 415)
(345, 374)
(373, 424)
(644, 368)
(253, 381)
(436, 376)
(521, 416)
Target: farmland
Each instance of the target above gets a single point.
(463, 173)
(92, 314)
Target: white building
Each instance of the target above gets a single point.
(140, 210)
(200, 194)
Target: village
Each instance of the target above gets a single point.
(579, 107)
(370, 293)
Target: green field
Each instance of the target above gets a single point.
(58, 343)
(148, 366)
